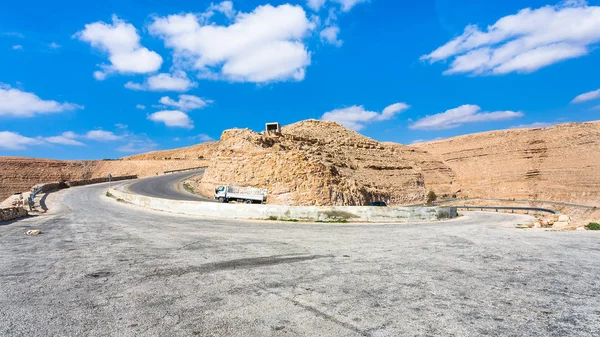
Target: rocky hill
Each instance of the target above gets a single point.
(18, 174)
(558, 163)
(322, 163)
(195, 152)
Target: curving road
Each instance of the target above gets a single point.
(166, 187)
(104, 268)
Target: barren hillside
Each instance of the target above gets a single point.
(195, 152)
(559, 163)
(18, 174)
(321, 163)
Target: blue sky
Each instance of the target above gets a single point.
(92, 80)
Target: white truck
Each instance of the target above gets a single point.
(247, 195)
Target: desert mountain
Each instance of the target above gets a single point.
(558, 163)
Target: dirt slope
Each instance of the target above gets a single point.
(320, 163)
(559, 163)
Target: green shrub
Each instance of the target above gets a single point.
(593, 226)
(453, 196)
(431, 197)
(272, 218)
(109, 195)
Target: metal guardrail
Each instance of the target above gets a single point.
(186, 169)
(31, 198)
(497, 208)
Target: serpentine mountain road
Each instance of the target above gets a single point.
(106, 268)
(166, 187)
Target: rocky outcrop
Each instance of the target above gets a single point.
(319, 163)
(11, 213)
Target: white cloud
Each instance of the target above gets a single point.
(54, 45)
(536, 125)
(138, 145)
(523, 42)
(330, 35)
(186, 102)
(262, 46)
(66, 138)
(224, 7)
(140, 107)
(122, 43)
(121, 126)
(17, 47)
(177, 81)
(456, 117)
(315, 4)
(101, 135)
(17, 103)
(203, 138)
(14, 141)
(588, 96)
(355, 117)
(348, 4)
(172, 118)
(417, 141)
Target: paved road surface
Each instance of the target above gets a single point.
(105, 268)
(166, 186)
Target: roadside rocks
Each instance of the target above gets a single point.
(11, 213)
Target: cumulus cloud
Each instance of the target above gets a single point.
(355, 117)
(203, 138)
(535, 125)
(14, 141)
(186, 102)
(523, 42)
(17, 47)
(330, 35)
(54, 45)
(122, 43)
(137, 145)
(172, 118)
(315, 4)
(264, 45)
(66, 138)
(456, 117)
(140, 107)
(224, 7)
(102, 136)
(177, 81)
(346, 5)
(17, 103)
(588, 96)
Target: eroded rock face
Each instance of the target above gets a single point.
(558, 163)
(319, 163)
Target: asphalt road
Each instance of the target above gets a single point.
(166, 187)
(104, 268)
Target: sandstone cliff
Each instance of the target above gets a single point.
(321, 163)
(558, 163)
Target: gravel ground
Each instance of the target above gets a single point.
(103, 268)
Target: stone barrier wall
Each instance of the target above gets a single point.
(11, 213)
(49, 187)
(97, 181)
(309, 213)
